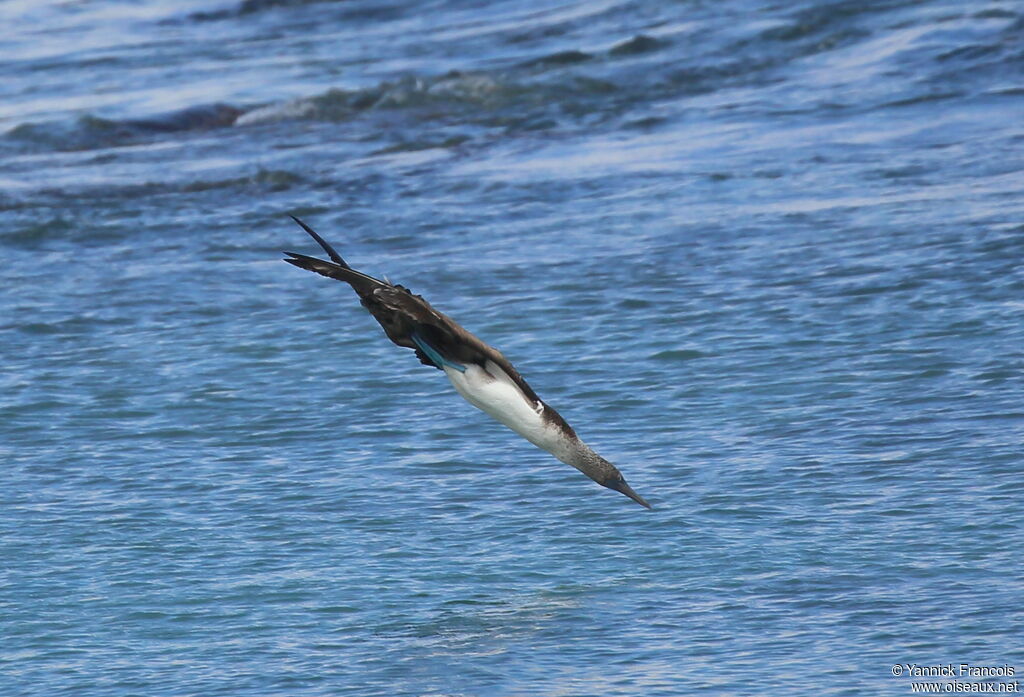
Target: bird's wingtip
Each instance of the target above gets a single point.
(335, 257)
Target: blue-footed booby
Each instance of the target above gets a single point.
(479, 373)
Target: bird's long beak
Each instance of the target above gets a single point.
(628, 491)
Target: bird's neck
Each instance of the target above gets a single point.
(580, 455)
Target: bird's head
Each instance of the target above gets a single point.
(618, 483)
(607, 475)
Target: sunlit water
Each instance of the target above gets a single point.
(766, 257)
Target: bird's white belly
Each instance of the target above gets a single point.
(494, 393)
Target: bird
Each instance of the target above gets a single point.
(478, 372)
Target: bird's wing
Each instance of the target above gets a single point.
(443, 335)
(363, 284)
(408, 319)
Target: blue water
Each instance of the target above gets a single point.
(766, 257)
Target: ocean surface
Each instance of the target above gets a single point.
(767, 257)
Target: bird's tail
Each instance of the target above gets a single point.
(337, 268)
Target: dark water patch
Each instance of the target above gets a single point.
(967, 53)
(561, 58)
(995, 13)
(906, 171)
(87, 132)
(206, 193)
(416, 146)
(924, 98)
(707, 78)
(645, 123)
(30, 235)
(69, 326)
(819, 21)
(678, 355)
(999, 375)
(91, 132)
(202, 117)
(262, 179)
(634, 303)
(637, 45)
(248, 7)
(1011, 244)
(586, 85)
(985, 55)
(446, 92)
(815, 38)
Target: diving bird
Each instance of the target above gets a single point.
(480, 373)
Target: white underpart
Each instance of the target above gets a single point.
(494, 393)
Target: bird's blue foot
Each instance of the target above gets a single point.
(439, 360)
